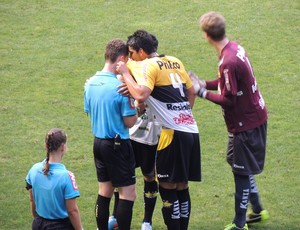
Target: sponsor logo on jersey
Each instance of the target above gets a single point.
(179, 106)
(168, 65)
(185, 119)
(72, 177)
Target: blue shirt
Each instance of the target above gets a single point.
(50, 192)
(106, 106)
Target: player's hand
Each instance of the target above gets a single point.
(199, 84)
(123, 89)
(196, 80)
(202, 93)
(122, 68)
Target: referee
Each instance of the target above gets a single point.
(111, 116)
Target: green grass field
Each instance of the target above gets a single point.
(48, 50)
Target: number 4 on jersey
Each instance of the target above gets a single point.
(177, 83)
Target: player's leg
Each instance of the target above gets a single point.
(175, 151)
(105, 190)
(170, 209)
(112, 221)
(259, 142)
(258, 213)
(165, 163)
(184, 199)
(254, 196)
(102, 205)
(150, 184)
(242, 191)
(123, 178)
(145, 156)
(127, 196)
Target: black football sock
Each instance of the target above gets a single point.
(185, 208)
(254, 197)
(102, 212)
(124, 214)
(242, 191)
(170, 209)
(150, 197)
(116, 196)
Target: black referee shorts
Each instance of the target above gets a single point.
(115, 165)
(40, 223)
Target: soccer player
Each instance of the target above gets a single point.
(245, 115)
(52, 188)
(145, 154)
(166, 88)
(111, 115)
(144, 149)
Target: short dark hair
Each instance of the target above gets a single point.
(141, 39)
(114, 49)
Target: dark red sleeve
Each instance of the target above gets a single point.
(221, 99)
(212, 84)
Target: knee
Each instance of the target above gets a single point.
(149, 178)
(128, 193)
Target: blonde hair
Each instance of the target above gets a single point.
(213, 24)
(53, 140)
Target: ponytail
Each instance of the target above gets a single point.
(53, 140)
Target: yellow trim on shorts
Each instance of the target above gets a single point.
(165, 138)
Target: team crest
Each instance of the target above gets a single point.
(167, 204)
(131, 102)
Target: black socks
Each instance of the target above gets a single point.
(102, 212)
(150, 197)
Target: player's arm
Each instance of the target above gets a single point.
(191, 95)
(73, 212)
(130, 120)
(138, 92)
(212, 84)
(223, 100)
(32, 203)
(202, 87)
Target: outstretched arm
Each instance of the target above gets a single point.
(201, 87)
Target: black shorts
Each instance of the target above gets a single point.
(117, 166)
(41, 223)
(246, 151)
(144, 157)
(178, 157)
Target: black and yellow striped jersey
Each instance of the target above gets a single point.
(168, 80)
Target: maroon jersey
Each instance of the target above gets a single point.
(237, 84)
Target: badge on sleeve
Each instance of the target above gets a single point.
(131, 102)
